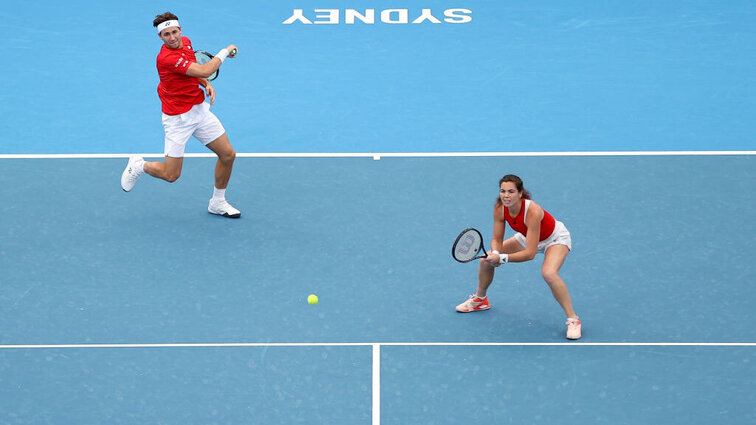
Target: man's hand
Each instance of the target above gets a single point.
(210, 91)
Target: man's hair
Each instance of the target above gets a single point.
(167, 16)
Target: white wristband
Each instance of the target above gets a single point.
(503, 258)
(222, 54)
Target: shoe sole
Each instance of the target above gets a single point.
(473, 310)
(226, 215)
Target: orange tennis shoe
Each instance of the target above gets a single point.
(474, 304)
(574, 328)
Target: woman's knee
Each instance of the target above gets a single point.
(486, 266)
(551, 276)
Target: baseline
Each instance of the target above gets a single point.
(378, 155)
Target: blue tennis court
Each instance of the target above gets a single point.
(363, 150)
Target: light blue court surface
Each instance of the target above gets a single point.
(141, 307)
(544, 75)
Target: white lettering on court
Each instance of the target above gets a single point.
(387, 16)
(368, 17)
(452, 16)
(427, 15)
(297, 16)
(331, 16)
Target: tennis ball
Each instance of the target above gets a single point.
(312, 299)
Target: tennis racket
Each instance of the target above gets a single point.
(204, 57)
(469, 246)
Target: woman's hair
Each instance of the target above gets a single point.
(511, 178)
(167, 16)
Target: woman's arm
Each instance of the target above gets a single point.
(497, 241)
(533, 222)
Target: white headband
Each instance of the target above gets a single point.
(167, 24)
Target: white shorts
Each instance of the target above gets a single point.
(198, 122)
(560, 236)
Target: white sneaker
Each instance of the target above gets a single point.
(223, 208)
(131, 173)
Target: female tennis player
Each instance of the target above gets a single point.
(536, 231)
(186, 114)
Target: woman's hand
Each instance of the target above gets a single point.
(493, 259)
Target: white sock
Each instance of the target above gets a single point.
(219, 194)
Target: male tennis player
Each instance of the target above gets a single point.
(186, 114)
(535, 231)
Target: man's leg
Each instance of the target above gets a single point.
(223, 167)
(169, 170)
(226, 156)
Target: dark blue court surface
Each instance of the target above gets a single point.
(141, 307)
(172, 386)
(569, 385)
(88, 264)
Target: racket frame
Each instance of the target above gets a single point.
(481, 251)
(209, 55)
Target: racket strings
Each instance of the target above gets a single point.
(467, 246)
(203, 57)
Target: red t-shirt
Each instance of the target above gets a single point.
(518, 223)
(178, 91)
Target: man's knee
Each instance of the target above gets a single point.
(172, 169)
(228, 155)
(172, 176)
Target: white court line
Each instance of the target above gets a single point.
(385, 344)
(376, 384)
(379, 155)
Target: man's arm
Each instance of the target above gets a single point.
(208, 68)
(209, 90)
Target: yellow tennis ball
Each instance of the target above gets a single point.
(312, 299)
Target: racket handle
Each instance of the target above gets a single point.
(233, 52)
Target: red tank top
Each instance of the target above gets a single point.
(518, 223)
